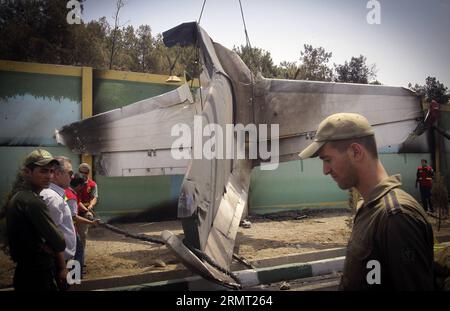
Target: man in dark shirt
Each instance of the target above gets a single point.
(391, 244)
(35, 243)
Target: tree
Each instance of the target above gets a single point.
(313, 64)
(116, 33)
(288, 70)
(145, 48)
(355, 71)
(128, 56)
(257, 60)
(432, 90)
(36, 31)
(90, 44)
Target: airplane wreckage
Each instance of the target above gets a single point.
(138, 140)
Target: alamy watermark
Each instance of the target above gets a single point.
(74, 274)
(374, 275)
(227, 143)
(374, 15)
(74, 14)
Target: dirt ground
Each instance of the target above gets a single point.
(109, 254)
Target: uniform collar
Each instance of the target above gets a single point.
(384, 187)
(57, 189)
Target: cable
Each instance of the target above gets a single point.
(249, 46)
(245, 27)
(200, 17)
(203, 256)
(141, 237)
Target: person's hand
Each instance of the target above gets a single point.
(95, 222)
(62, 279)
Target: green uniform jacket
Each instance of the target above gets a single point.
(392, 229)
(31, 232)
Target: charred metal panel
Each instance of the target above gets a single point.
(299, 106)
(136, 139)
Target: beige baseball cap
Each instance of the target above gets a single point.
(84, 167)
(338, 126)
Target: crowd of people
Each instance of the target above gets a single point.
(48, 213)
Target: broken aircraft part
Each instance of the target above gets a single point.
(214, 192)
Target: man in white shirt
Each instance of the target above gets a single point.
(60, 212)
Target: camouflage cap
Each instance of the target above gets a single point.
(39, 157)
(338, 126)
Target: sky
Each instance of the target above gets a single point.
(411, 42)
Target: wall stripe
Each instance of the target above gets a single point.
(87, 107)
(137, 77)
(61, 70)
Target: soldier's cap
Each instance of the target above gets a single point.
(339, 126)
(39, 157)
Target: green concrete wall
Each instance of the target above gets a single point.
(112, 94)
(301, 184)
(121, 195)
(34, 105)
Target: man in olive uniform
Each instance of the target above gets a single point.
(35, 243)
(391, 245)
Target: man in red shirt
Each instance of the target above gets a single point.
(88, 197)
(89, 193)
(76, 185)
(425, 175)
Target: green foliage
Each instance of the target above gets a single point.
(257, 60)
(288, 70)
(37, 31)
(432, 90)
(314, 64)
(356, 71)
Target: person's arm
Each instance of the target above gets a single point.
(83, 220)
(39, 216)
(408, 253)
(73, 207)
(92, 204)
(82, 207)
(62, 269)
(94, 194)
(52, 205)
